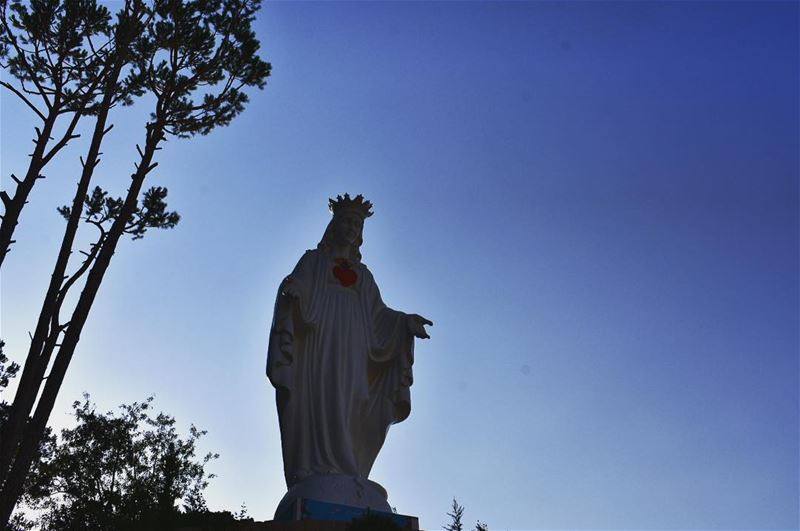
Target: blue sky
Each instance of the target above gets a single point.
(595, 202)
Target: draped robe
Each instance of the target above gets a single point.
(347, 377)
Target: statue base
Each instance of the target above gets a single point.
(349, 491)
(301, 525)
(305, 514)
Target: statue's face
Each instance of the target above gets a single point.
(347, 228)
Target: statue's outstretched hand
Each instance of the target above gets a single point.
(416, 325)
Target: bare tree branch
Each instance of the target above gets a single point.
(23, 98)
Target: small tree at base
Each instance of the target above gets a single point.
(457, 512)
(118, 471)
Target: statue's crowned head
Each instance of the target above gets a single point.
(357, 206)
(345, 228)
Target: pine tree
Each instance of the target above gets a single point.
(194, 58)
(59, 56)
(455, 516)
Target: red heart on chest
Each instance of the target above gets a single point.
(346, 276)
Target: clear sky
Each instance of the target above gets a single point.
(595, 202)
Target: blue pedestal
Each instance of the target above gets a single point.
(303, 509)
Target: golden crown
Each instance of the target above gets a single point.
(357, 205)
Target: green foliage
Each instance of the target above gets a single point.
(373, 522)
(196, 56)
(152, 213)
(7, 370)
(242, 514)
(124, 471)
(45, 447)
(101, 210)
(50, 47)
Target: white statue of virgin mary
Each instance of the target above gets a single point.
(340, 361)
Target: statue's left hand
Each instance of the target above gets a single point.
(416, 325)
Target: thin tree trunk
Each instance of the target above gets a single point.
(40, 159)
(35, 429)
(38, 357)
(13, 206)
(15, 442)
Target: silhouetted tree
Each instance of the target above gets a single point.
(124, 471)
(76, 19)
(109, 57)
(59, 55)
(455, 516)
(7, 370)
(194, 58)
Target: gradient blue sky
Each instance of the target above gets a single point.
(597, 204)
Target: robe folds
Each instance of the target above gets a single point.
(348, 375)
